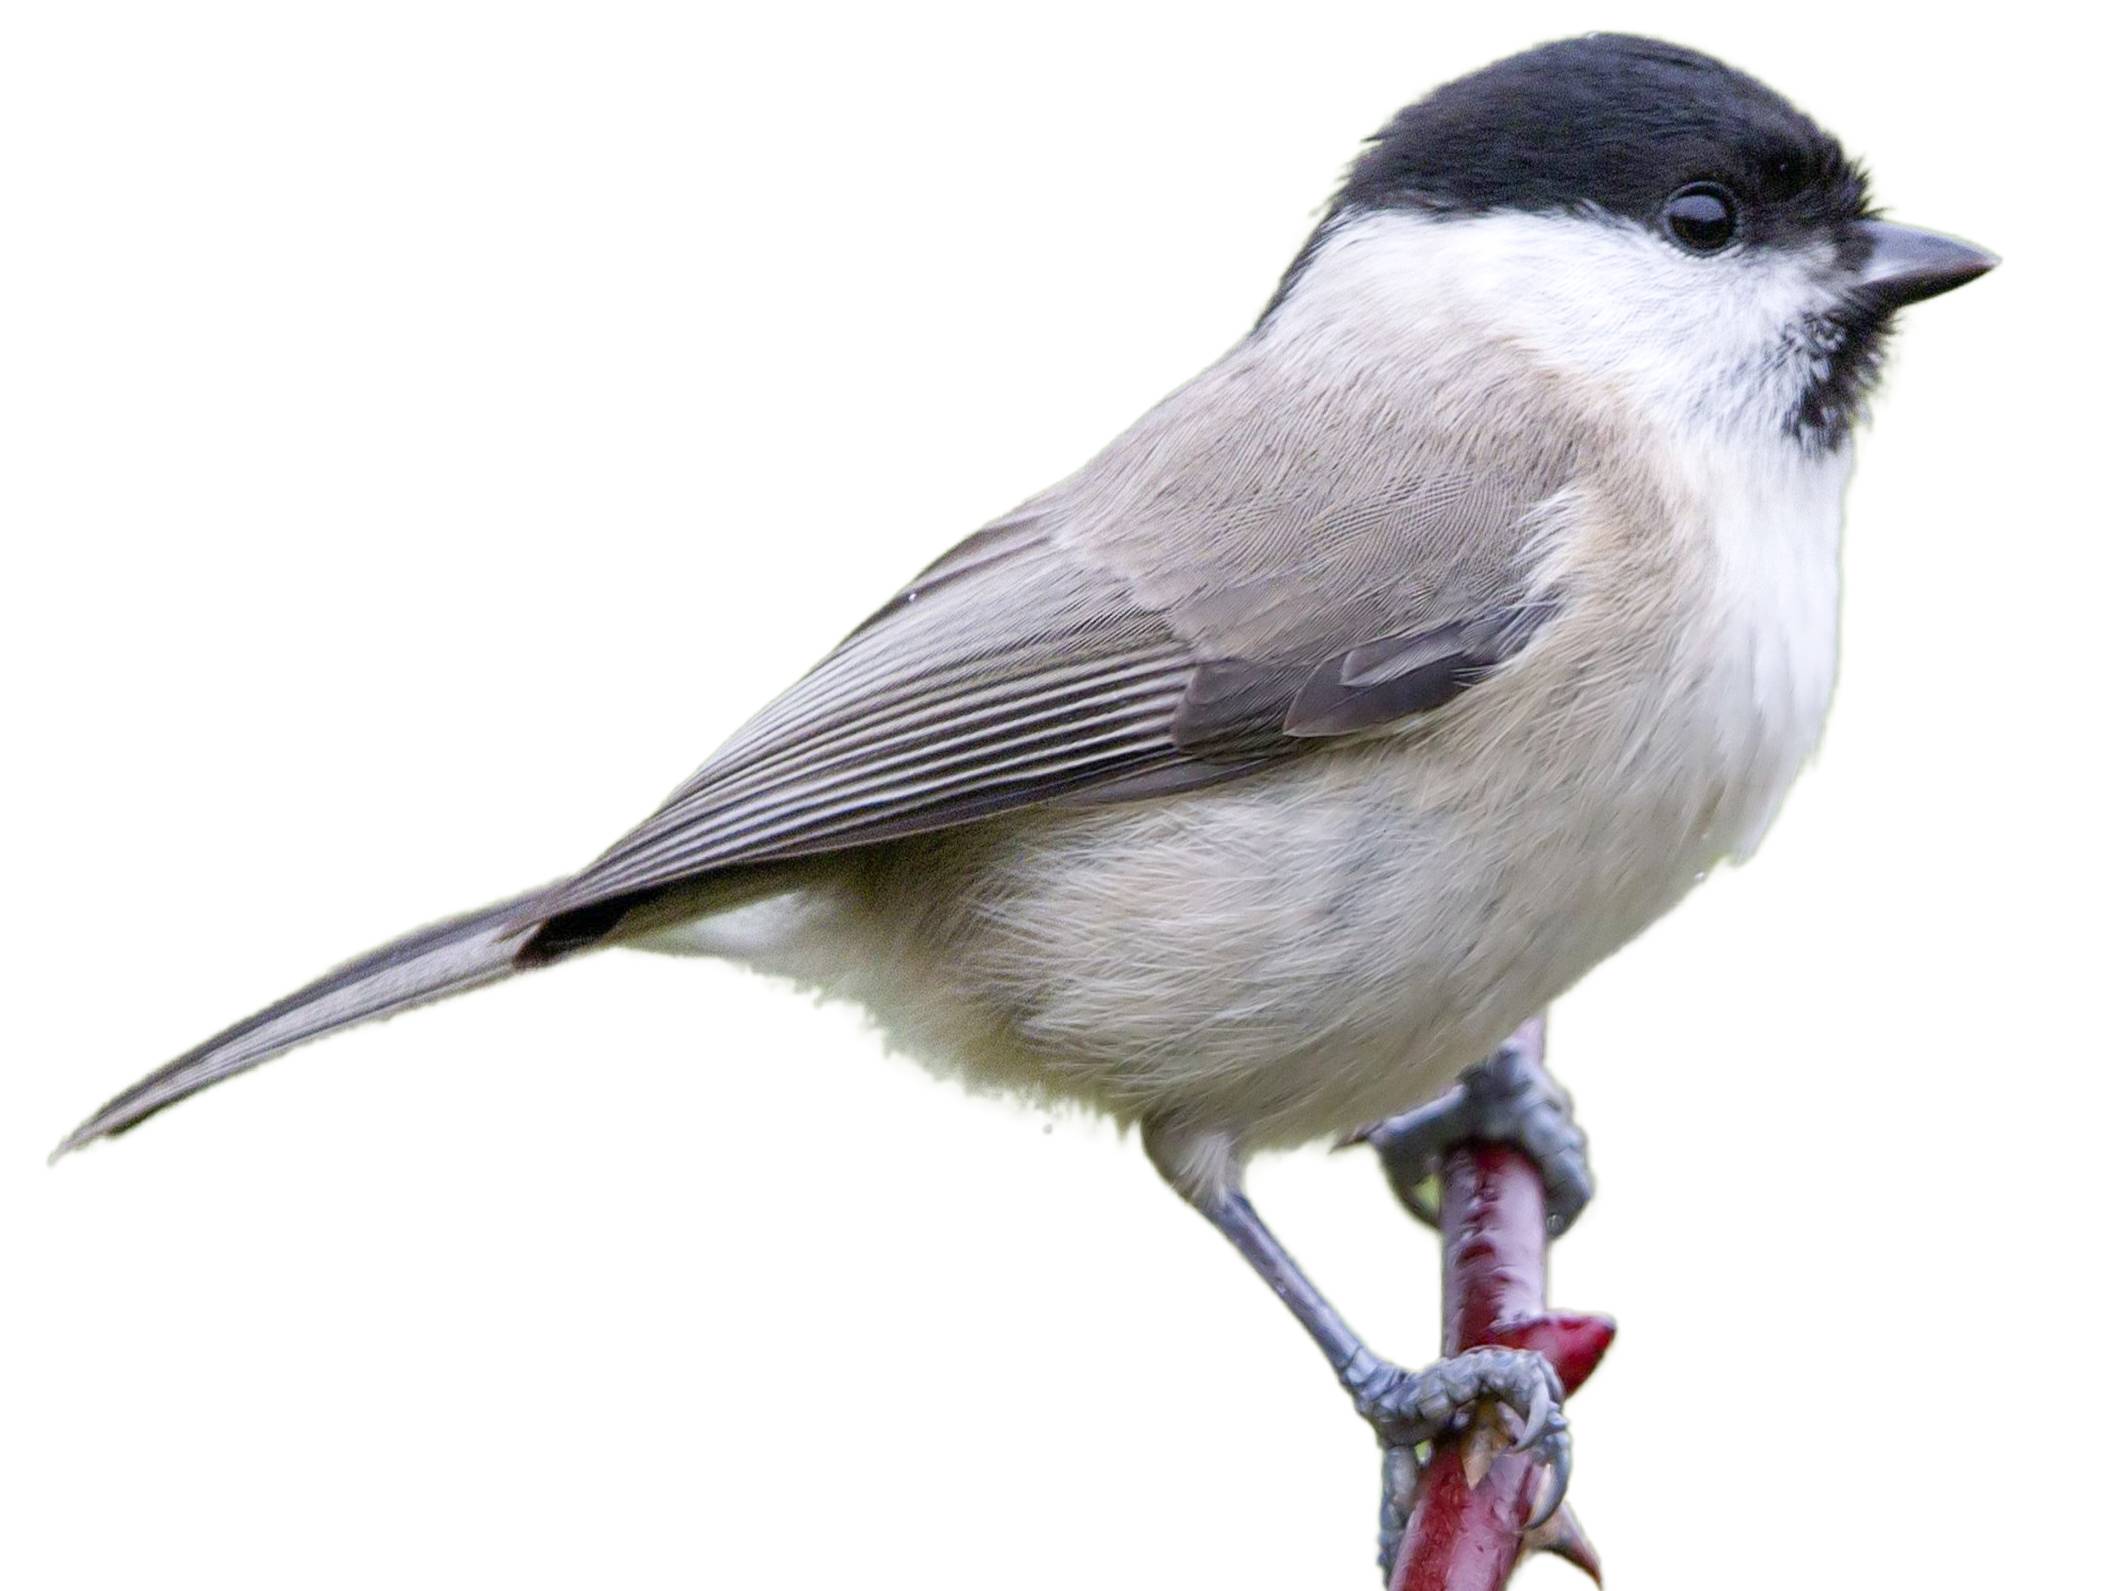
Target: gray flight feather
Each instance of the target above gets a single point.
(442, 959)
(1260, 561)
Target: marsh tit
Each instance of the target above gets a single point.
(1274, 768)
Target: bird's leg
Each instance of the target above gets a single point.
(1508, 1098)
(1404, 1407)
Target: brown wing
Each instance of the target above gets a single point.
(1241, 574)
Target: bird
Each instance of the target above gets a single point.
(1285, 762)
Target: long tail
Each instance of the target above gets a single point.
(427, 964)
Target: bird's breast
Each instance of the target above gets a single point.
(1771, 528)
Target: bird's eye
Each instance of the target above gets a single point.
(1701, 217)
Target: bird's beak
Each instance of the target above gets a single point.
(1903, 263)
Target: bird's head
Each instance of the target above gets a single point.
(1638, 214)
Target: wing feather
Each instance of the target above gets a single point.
(1247, 571)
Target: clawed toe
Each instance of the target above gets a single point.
(1508, 1098)
(1407, 1407)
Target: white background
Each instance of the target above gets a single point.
(429, 428)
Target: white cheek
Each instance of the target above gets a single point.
(1688, 339)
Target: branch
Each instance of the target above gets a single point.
(1465, 1526)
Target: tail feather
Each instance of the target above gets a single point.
(427, 964)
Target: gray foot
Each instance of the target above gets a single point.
(1409, 1407)
(1508, 1098)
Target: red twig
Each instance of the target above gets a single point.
(1474, 1496)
